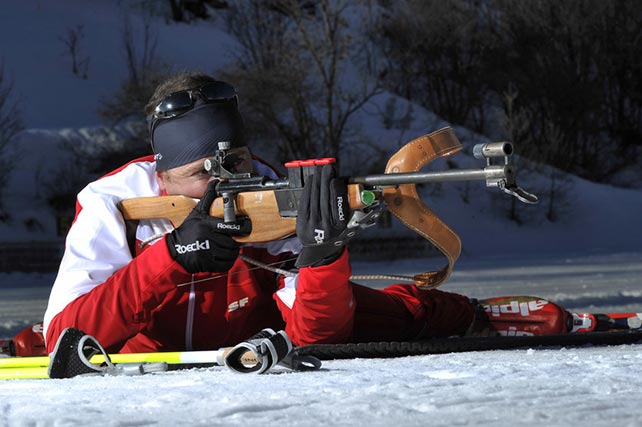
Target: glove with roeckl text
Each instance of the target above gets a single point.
(204, 243)
(322, 219)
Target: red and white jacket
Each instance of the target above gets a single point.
(148, 302)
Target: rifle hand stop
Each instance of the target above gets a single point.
(507, 174)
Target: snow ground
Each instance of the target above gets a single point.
(553, 386)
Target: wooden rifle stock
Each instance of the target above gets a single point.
(260, 206)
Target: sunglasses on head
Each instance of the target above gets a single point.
(178, 103)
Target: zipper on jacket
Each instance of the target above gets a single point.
(189, 323)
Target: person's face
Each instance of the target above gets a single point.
(191, 179)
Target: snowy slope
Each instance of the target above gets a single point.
(589, 386)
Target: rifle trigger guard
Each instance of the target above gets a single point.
(365, 218)
(518, 192)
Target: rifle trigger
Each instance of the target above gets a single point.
(365, 219)
(518, 192)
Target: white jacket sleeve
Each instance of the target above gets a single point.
(96, 245)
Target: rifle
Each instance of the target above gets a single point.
(272, 205)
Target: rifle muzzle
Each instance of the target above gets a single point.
(493, 149)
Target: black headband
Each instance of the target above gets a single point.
(196, 134)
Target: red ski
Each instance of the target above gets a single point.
(532, 316)
(605, 322)
(28, 342)
(6, 347)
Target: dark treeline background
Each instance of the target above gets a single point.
(561, 79)
(565, 75)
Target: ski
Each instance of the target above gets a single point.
(6, 348)
(28, 342)
(468, 344)
(581, 323)
(605, 322)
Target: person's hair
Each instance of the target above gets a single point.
(176, 83)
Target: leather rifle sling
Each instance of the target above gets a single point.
(404, 202)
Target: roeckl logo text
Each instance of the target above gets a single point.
(224, 226)
(523, 308)
(340, 208)
(319, 236)
(193, 247)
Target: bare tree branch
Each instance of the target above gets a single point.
(10, 124)
(288, 73)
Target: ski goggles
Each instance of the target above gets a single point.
(178, 103)
(181, 102)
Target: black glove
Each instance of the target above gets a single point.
(322, 219)
(203, 243)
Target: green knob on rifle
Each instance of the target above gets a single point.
(367, 197)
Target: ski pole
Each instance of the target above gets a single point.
(258, 354)
(20, 372)
(23, 362)
(172, 358)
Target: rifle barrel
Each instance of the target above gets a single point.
(491, 172)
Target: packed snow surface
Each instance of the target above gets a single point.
(589, 386)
